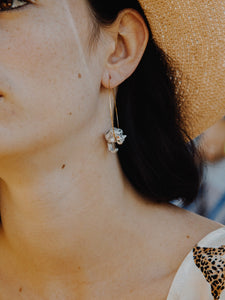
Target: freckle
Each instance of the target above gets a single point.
(20, 290)
(63, 166)
(78, 268)
(188, 236)
(79, 75)
(70, 114)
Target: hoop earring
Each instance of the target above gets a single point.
(115, 134)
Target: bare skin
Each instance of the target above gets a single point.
(72, 226)
(131, 258)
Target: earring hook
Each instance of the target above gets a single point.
(114, 135)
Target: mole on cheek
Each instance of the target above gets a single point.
(20, 290)
(79, 75)
(63, 166)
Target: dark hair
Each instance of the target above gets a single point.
(156, 157)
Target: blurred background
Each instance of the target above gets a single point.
(211, 198)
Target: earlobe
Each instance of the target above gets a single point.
(130, 39)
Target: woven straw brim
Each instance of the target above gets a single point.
(192, 35)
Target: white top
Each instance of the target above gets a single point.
(201, 276)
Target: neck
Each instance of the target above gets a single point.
(62, 215)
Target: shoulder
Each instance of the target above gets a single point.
(190, 226)
(199, 275)
(188, 229)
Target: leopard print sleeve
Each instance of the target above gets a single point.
(211, 262)
(201, 276)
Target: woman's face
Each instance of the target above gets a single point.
(49, 81)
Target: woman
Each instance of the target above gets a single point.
(77, 222)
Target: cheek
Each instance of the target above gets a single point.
(47, 76)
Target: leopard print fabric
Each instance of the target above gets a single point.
(212, 264)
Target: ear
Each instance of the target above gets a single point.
(129, 37)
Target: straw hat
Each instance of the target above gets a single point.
(192, 35)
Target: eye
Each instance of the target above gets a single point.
(13, 4)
